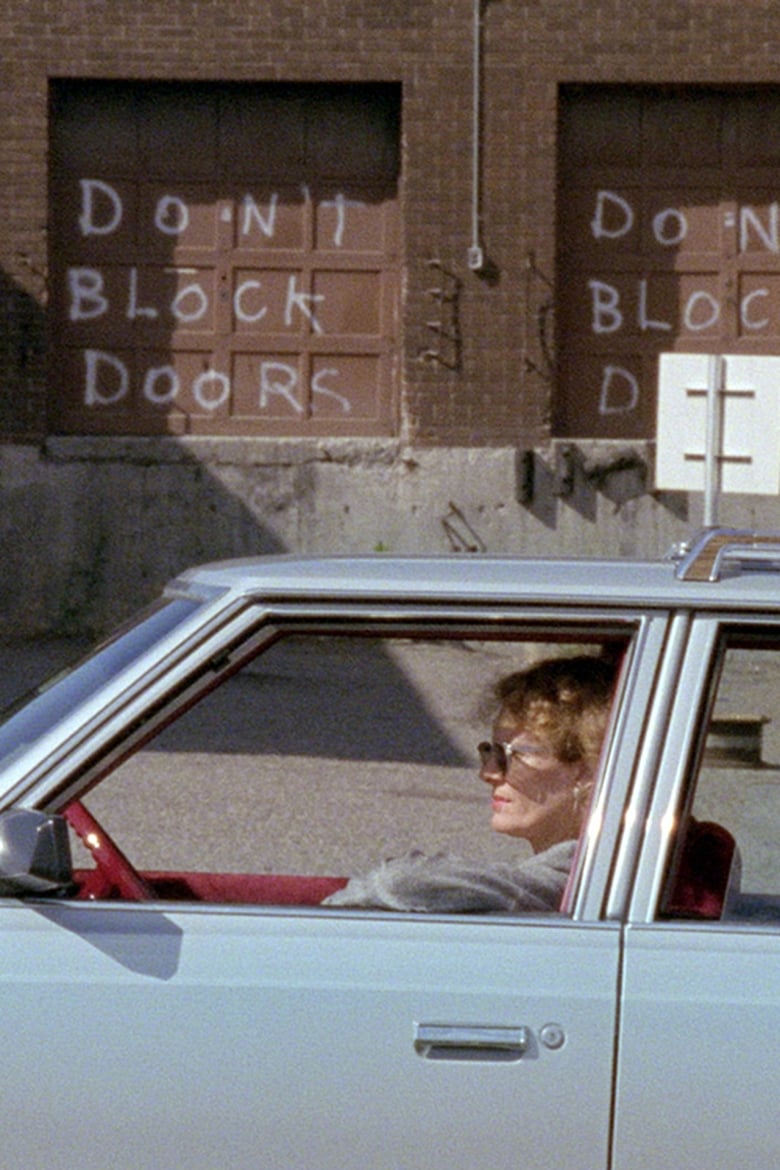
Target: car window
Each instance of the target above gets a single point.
(727, 862)
(38, 713)
(324, 756)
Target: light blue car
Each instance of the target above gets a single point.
(187, 980)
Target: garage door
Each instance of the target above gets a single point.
(668, 240)
(224, 259)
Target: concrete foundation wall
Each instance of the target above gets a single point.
(91, 529)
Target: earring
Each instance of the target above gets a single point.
(579, 793)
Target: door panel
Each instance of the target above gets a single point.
(697, 1074)
(143, 1039)
(698, 1067)
(224, 258)
(664, 242)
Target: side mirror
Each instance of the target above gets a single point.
(34, 854)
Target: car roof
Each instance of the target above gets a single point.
(750, 584)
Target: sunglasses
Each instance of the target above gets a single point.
(500, 755)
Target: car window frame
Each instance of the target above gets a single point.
(643, 631)
(678, 761)
(97, 729)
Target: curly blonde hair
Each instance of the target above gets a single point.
(565, 702)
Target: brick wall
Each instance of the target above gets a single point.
(494, 385)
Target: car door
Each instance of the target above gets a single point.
(190, 1032)
(698, 1072)
(140, 1037)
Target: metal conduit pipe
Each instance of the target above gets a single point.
(475, 257)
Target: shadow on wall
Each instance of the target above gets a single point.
(92, 528)
(148, 511)
(22, 354)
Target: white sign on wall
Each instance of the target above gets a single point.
(744, 423)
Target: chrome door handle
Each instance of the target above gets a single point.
(470, 1042)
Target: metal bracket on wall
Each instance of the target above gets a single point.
(525, 473)
(565, 467)
(540, 308)
(445, 346)
(576, 471)
(40, 273)
(559, 478)
(461, 535)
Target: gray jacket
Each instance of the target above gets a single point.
(444, 883)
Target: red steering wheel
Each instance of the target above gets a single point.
(115, 868)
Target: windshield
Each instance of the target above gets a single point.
(41, 709)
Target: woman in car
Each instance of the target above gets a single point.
(540, 764)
